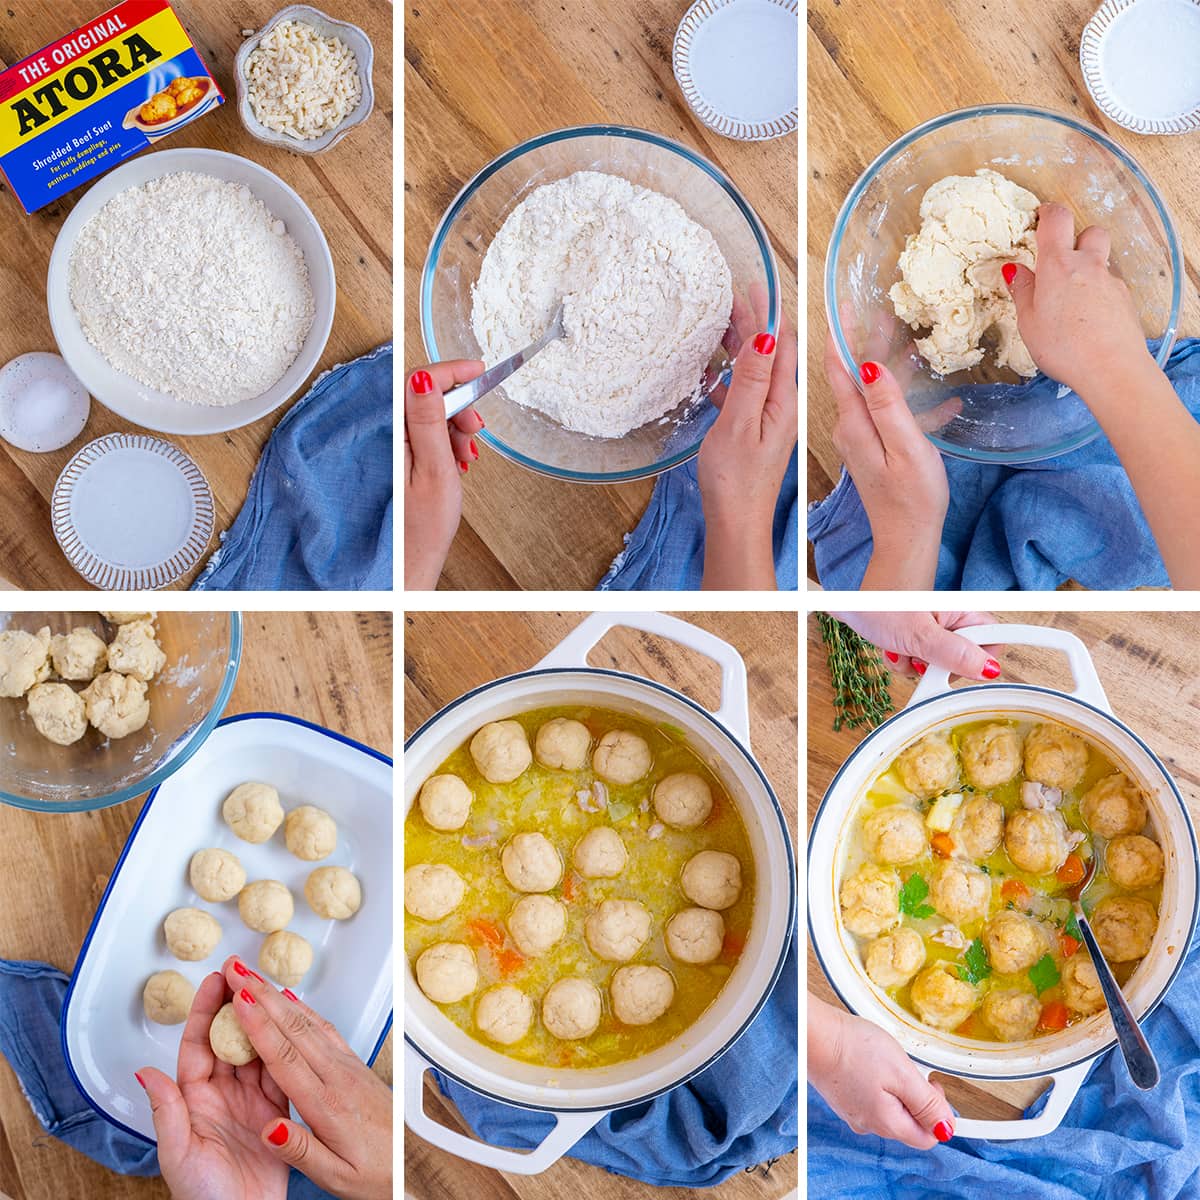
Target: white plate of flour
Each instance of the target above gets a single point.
(106, 1035)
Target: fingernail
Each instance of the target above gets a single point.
(991, 669)
(474, 449)
(919, 666)
(278, 1135)
(869, 372)
(482, 422)
(943, 1131)
(462, 466)
(291, 995)
(245, 995)
(422, 382)
(139, 1078)
(240, 968)
(764, 344)
(1009, 271)
(892, 658)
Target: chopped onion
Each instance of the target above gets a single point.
(655, 830)
(478, 841)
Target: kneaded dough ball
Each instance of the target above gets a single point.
(895, 834)
(617, 930)
(991, 756)
(167, 998)
(563, 744)
(682, 801)
(57, 713)
(228, 1039)
(504, 1014)
(116, 704)
(1014, 942)
(1133, 861)
(978, 827)
(536, 923)
(336, 894)
(216, 875)
(1011, 1013)
(712, 879)
(310, 833)
(1081, 985)
(1055, 756)
(941, 998)
(501, 751)
(641, 994)
(24, 660)
(870, 900)
(123, 618)
(894, 958)
(622, 757)
(253, 812)
(1124, 926)
(929, 766)
(960, 892)
(431, 890)
(445, 802)
(600, 854)
(695, 935)
(1036, 840)
(447, 972)
(135, 652)
(80, 655)
(265, 905)
(1114, 806)
(531, 863)
(191, 934)
(571, 1009)
(286, 957)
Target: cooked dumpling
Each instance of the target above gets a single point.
(960, 892)
(1134, 861)
(1114, 807)
(978, 827)
(1124, 926)
(1012, 1014)
(894, 958)
(929, 766)
(991, 756)
(941, 998)
(895, 835)
(870, 901)
(1014, 942)
(1036, 841)
(1055, 756)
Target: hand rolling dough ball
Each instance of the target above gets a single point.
(57, 713)
(1014, 942)
(253, 812)
(336, 894)
(1036, 840)
(1081, 985)
(960, 892)
(531, 863)
(695, 935)
(447, 972)
(712, 879)
(617, 930)
(123, 618)
(928, 767)
(116, 704)
(941, 998)
(641, 994)
(265, 905)
(571, 1009)
(893, 959)
(682, 801)
(167, 998)
(991, 756)
(503, 1014)
(310, 833)
(562, 744)
(286, 957)
(135, 652)
(216, 875)
(600, 854)
(445, 802)
(1114, 806)
(1124, 926)
(431, 890)
(191, 934)
(870, 900)
(1055, 756)
(228, 1039)
(978, 827)
(1133, 861)
(79, 655)
(622, 757)
(1012, 1013)
(24, 660)
(536, 923)
(501, 751)
(895, 834)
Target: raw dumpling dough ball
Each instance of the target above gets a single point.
(928, 767)
(79, 655)
(536, 923)
(1114, 806)
(622, 757)
(562, 744)
(1124, 926)
(682, 801)
(501, 751)
(1081, 985)
(1036, 840)
(640, 995)
(1012, 1013)
(265, 905)
(712, 879)
(1055, 756)
(960, 892)
(695, 935)
(941, 998)
(431, 890)
(895, 835)
(123, 618)
(310, 833)
(135, 652)
(24, 660)
(1014, 942)
(447, 972)
(870, 900)
(894, 958)
(617, 930)
(571, 1009)
(167, 998)
(445, 802)
(531, 863)
(978, 827)
(191, 934)
(1133, 861)
(253, 812)
(286, 957)
(504, 1014)
(991, 756)
(335, 893)
(57, 713)
(228, 1039)
(600, 854)
(116, 704)
(216, 875)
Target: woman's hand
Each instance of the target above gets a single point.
(437, 454)
(208, 1119)
(911, 641)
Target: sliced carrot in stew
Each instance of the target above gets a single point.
(1015, 889)
(568, 888)
(1072, 870)
(1069, 944)
(1054, 1017)
(733, 944)
(943, 845)
(509, 961)
(487, 931)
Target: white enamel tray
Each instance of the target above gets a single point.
(106, 1036)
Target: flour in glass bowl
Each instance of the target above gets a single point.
(646, 292)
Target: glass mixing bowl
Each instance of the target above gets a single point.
(187, 699)
(1003, 419)
(471, 222)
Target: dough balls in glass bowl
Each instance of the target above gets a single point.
(501, 751)
(216, 875)
(134, 651)
(286, 957)
(116, 704)
(58, 713)
(24, 660)
(79, 655)
(265, 905)
(563, 744)
(191, 934)
(310, 833)
(167, 998)
(335, 893)
(228, 1039)
(253, 812)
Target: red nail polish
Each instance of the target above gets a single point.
(245, 995)
(991, 669)
(764, 344)
(138, 1077)
(892, 658)
(422, 382)
(240, 968)
(869, 372)
(462, 466)
(1009, 271)
(291, 995)
(919, 666)
(474, 449)
(278, 1135)
(943, 1131)
(482, 422)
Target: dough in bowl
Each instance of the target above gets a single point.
(286, 957)
(310, 833)
(228, 1039)
(135, 652)
(334, 893)
(265, 906)
(167, 998)
(79, 655)
(24, 660)
(57, 713)
(253, 812)
(116, 704)
(216, 875)
(191, 934)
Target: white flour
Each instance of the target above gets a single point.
(647, 298)
(189, 284)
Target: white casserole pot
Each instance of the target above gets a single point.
(582, 1098)
(1067, 1056)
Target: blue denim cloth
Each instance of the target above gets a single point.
(1029, 528)
(318, 516)
(31, 1002)
(740, 1112)
(1115, 1143)
(666, 550)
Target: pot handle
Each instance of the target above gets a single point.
(734, 710)
(936, 680)
(569, 1129)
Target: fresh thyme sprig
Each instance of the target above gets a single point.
(861, 692)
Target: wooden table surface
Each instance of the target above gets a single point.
(347, 188)
(481, 76)
(1147, 667)
(334, 669)
(447, 654)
